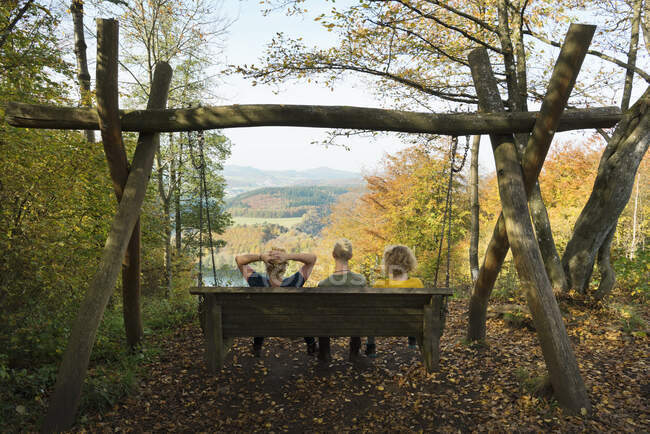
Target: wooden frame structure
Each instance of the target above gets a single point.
(297, 312)
(515, 229)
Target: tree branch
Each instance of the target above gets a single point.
(603, 56)
(449, 26)
(12, 24)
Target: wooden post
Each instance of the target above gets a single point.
(562, 81)
(64, 401)
(430, 338)
(568, 386)
(110, 126)
(214, 348)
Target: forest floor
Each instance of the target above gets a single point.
(478, 388)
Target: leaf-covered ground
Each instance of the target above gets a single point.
(477, 389)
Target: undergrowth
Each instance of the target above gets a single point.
(31, 353)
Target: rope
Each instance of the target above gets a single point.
(447, 216)
(199, 168)
(207, 206)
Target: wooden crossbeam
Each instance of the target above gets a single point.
(345, 117)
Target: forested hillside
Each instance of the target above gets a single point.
(276, 202)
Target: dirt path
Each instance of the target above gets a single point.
(482, 389)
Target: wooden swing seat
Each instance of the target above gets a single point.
(338, 311)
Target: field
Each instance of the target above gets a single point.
(287, 222)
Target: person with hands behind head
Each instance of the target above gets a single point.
(275, 261)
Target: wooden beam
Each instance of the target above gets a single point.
(345, 117)
(64, 400)
(562, 80)
(568, 386)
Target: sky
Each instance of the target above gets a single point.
(292, 147)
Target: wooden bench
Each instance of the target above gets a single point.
(298, 312)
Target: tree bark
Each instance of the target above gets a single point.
(563, 369)
(77, 11)
(544, 234)
(474, 205)
(607, 273)
(611, 192)
(109, 122)
(177, 201)
(345, 117)
(631, 54)
(64, 400)
(562, 81)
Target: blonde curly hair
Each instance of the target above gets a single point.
(342, 249)
(398, 260)
(276, 268)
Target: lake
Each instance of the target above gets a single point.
(224, 278)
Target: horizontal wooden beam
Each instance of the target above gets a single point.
(346, 117)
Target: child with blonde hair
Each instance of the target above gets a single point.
(399, 260)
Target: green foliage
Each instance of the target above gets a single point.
(630, 319)
(633, 274)
(28, 370)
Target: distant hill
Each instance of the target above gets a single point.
(240, 179)
(274, 202)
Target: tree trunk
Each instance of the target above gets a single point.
(77, 11)
(611, 192)
(178, 224)
(562, 81)
(165, 198)
(563, 369)
(64, 401)
(544, 234)
(474, 205)
(632, 250)
(607, 273)
(631, 54)
(168, 250)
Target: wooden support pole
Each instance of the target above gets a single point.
(361, 118)
(109, 125)
(64, 400)
(568, 386)
(560, 85)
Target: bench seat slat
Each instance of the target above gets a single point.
(318, 290)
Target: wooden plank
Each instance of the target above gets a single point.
(304, 301)
(281, 327)
(347, 311)
(345, 117)
(318, 290)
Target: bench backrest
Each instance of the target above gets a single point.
(295, 312)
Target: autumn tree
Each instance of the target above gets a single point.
(188, 35)
(416, 50)
(404, 204)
